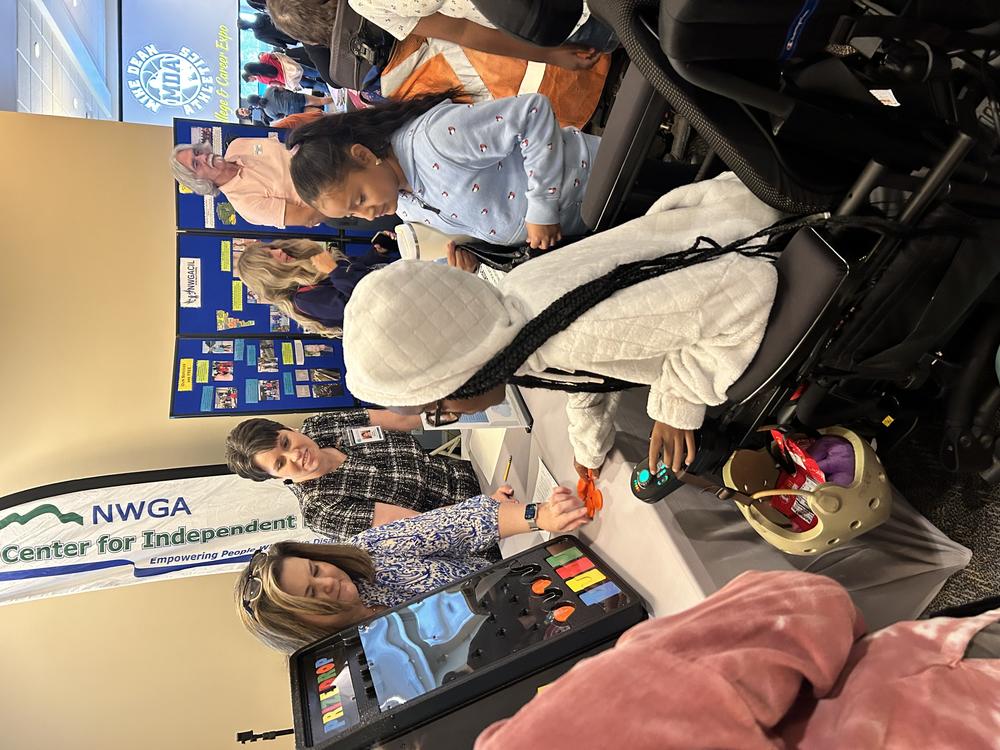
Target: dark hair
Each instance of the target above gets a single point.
(309, 21)
(254, 100)
(324, 157)
(260, 69)
(560, 314)
(247, 439)
(244, 24)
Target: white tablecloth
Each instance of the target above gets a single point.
(683, 548)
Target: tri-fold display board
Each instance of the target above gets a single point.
(235, 354)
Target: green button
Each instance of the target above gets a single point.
(644, 475)
(562, 558)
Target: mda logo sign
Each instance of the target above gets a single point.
(170, 79)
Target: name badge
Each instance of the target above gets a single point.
(370, 434)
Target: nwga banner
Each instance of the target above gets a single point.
(130, 533)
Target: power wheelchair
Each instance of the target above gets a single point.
(854, 109)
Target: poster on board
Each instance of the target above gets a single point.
(211, 297)
(215, 211)
(179, 58)
(236, 376)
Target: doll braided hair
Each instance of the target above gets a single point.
(560, 314)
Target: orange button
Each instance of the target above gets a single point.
(562, 613)
(539, 586)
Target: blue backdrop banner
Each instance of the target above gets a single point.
(180, 58)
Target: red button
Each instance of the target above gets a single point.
(574, 568)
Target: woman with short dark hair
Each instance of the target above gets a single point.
(347, 482)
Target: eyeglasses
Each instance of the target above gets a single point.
(588, 492)
(439, 417)
(255, 585)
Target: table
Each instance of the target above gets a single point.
(680, 550)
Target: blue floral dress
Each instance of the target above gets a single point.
(415, 555)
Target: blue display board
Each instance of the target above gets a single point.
(212, 300)
(215, 212)
(229, 376)
(179, 58)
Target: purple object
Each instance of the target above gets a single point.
(835, 456)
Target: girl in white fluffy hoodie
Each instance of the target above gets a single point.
(427, 336)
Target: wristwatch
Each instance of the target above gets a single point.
(531, 516)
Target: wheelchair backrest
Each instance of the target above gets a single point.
(810, 274)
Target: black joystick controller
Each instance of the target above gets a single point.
(650, 486)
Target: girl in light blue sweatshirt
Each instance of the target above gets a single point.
(502, 171)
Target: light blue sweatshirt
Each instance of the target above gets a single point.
(485, 169)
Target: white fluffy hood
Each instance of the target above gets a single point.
(416, 331)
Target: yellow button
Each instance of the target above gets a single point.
(582, 581)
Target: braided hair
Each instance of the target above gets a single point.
(560, 314)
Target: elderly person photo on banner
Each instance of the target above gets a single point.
(254, 174)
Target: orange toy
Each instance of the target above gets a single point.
(589, 493)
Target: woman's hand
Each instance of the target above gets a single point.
(584, 471)
(462, 259)
(323, 262)
(563, 512)
(670, 444)
(543, 236)
(504, 494)
(572, 57)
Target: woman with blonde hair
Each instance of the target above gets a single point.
(292, 594)
(306, 281)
